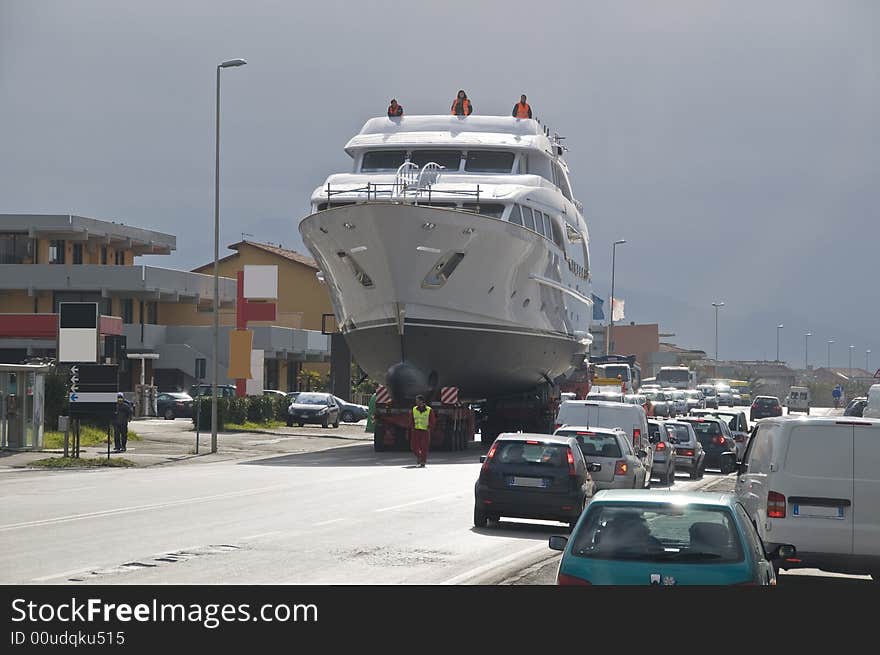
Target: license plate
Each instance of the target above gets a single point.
(527, 482)
(813, 511)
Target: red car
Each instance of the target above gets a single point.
(764, 406)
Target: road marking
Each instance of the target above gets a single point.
(262, 534)
(328, 522)
(485, 568)
(137, 508)
(62, 575)
(418, 502)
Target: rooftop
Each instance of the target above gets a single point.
(291, 255)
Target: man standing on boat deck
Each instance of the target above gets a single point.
(462, 105)
(421, 424)
(522, 108)
(394, 110)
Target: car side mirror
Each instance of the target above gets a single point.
(558, 542)
(783, 551)
(594, 467)
(482, 459)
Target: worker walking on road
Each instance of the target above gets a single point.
(121, 417)
(421, 424)
(462, 106)
(522, 108)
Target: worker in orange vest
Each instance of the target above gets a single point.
(395, 110)
(522, 108)
(462, 106)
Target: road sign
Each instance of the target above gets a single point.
(77, 332)
(93, 389)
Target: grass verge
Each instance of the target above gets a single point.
(82, 462)
(250, 426)
(89, 435)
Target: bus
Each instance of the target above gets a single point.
(680, 377)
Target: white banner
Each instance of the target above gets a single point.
(617, 309)
(255, 384)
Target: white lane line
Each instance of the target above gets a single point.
(67, 491)
(262, 534)
(63, 574)
(485, 568)
(328, 522)
(137, 508)
(418, 502)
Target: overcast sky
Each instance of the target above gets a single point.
(735, 145)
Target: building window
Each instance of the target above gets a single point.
(106, 307)
(15, 249)
(103, 254)
(152, 313)
(56, 252)
(120, 257)
(77, 253)
(127, 311)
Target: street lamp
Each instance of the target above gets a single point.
(807, 336)
(216, 347)
(611, 323)
(850, 361)
(830, 341)
(717, 306)
(778, 328)
(867, 352)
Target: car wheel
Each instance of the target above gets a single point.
(670, 478)
(169, 414)
(480, 518)
(695, 474)
(347, 417)
(325, 423)
(300, 424)
(289, 422)
(727, 466)
(336, 424)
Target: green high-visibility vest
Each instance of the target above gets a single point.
(421, 419)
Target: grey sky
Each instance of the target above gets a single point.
(733, 144)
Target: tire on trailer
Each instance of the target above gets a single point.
(378, 440)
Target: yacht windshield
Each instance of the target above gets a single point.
(488, 161)
(448, 159)
(383, 160)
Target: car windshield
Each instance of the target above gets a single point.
(310, 399)
(594, 445)
(655, 532)
(535, 454)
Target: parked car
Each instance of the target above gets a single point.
(174, 404)
(718, 443)
(689, 454)
(856, 406)
(798, 400)
(313, 407)
(628, 537)
(661, 404)
(536, 476)
(223, 390)
(815, 483)
(275, 393)
(621, 466)
(662, 439)
(694, 399)
(764, 406)
(710, 394)
(736, 421)
(350, 412)
(629, 418)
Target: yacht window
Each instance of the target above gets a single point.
(523, 164)
(333, 205)
(488, 161)
(528, 218)
(539, 222)
(561, 181)
(548, 230)
(383, 160)
(448, 159)
(515, 215)
(573, 235)
(438, 204)
(486, 209)
(557, 234)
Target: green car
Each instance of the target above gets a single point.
(643, 537)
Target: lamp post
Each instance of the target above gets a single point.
(717, 306)
(216, 336)
(611, 322)
(778, 328)
(850, 361)
(867, 352)
(807, 336)
(830, 341)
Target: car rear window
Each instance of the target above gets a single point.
(682, 433)
(706, 428)
(765, 402)
(658, 533)
(595, 445)
(519, 452)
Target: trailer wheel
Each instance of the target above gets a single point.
(378, 441)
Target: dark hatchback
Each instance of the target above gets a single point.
(535, 476)
(312, 407)
(765, 406)
(173, 404)
(718, 444)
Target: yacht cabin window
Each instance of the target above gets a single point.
(516, 215)
(486, 209)
(382, 160)
(488, 161)
(528, 218)
(448, 159)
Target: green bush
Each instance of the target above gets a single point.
(56, 396)
(250, 409)
(260, 409)
(280, 406)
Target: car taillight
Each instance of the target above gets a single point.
(620, 467)
(570, 456)
(775, 505)
(660, 446)
(718, 440)
(571, 580)
(490, 455)
(637, 433)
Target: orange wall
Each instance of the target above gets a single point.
(638, 340)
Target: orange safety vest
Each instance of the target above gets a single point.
(522, 110)
(465, 106)
(394, 111)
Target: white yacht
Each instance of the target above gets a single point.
(456, 248)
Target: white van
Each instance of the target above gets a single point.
(872, 408)
(814, 482)
(798, 400)
(602, 414)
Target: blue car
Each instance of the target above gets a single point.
(637, 537)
